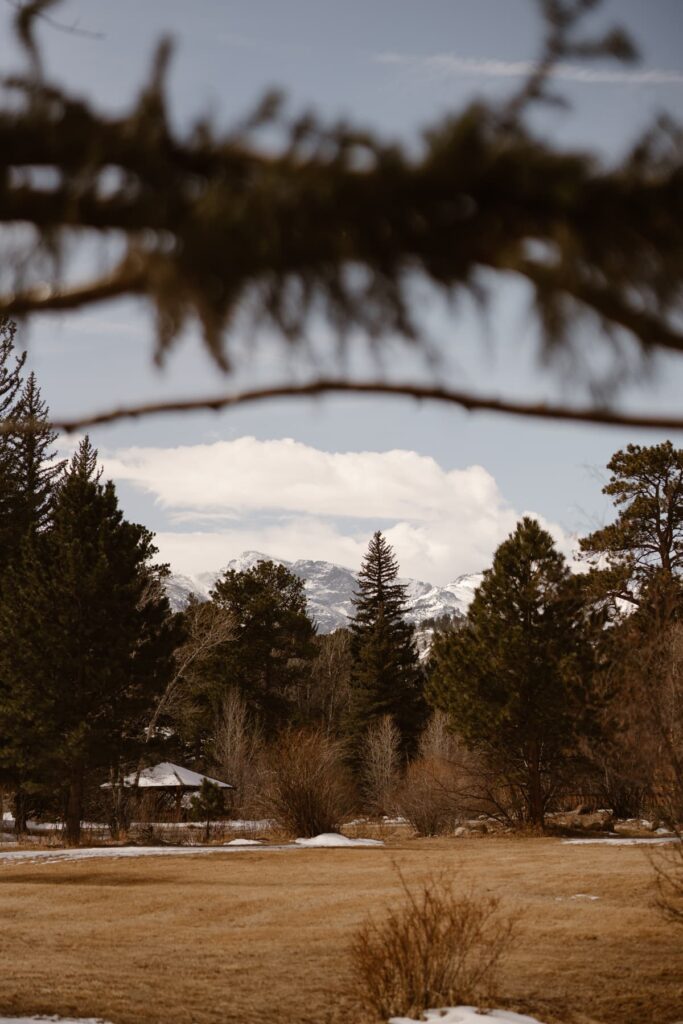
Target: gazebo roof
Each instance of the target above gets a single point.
(169, 776)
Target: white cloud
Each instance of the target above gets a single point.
(230, 478)
(294, 501)
(449, 65)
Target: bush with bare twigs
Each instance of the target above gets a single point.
(380, 761)
(426, 798)
(439, 948)
(443, 782)
(668, 867)
(308, 788)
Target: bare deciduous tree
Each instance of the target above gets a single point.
(209, 626)
(238, 751)
(380, 763)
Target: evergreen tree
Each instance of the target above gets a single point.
(643, 547)
(85, 640)
(386, 678)
(11, 366)
(638, 570)
(35, 468)
(273, 646)
(515, 677)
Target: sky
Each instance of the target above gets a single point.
(314, 479)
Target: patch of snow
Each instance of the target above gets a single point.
(578, 896)
(119, 852)
(243, 842)
(52, 1017)
(621, 840)
(335, 839)
(467, 1015)
(248, 825)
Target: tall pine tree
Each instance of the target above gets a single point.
(85, 640)
(11, 366)
(386, 678)
(515, 677)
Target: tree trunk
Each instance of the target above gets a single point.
(535, 796)
(19, 812)
(74, 807)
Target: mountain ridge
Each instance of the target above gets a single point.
(330, 589)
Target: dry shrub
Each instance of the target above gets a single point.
(445, 782)
(427, 799)
(439, 949)
(668, 866)
(308, 789)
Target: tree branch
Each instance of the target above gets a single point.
(43, 298)
(462, 399)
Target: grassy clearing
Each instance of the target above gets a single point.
(222, 940)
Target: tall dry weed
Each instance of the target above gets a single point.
(439, 948)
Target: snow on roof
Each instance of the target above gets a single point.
(169, 776)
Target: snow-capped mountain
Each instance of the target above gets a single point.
(330, 589)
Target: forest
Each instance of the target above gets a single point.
(562, 687)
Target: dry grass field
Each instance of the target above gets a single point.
(261, 937)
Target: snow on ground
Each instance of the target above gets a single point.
(622, 840)
(99, 852)
(451, 1015)
(578, 896)
(43, 1019)
(335, 839)
(467, 1015)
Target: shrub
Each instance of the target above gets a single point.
(438, 949)
(308, 789)
(427, 799)
(668, 865)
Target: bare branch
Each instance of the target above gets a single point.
(33, 10)
(463, 399)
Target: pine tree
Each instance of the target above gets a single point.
(515, 677)
(386, 678)
(11, 366)
(36, 470)
(643, 547)
(85, 640)
(270, 655)
(637, 571)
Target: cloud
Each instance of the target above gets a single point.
(231, 478)
(292, 500)
(448, 65)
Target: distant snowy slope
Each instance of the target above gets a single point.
(330, 589)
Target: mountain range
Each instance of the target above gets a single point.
(330, 589)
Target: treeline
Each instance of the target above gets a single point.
(557, 688)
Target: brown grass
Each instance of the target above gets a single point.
(255, 935)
